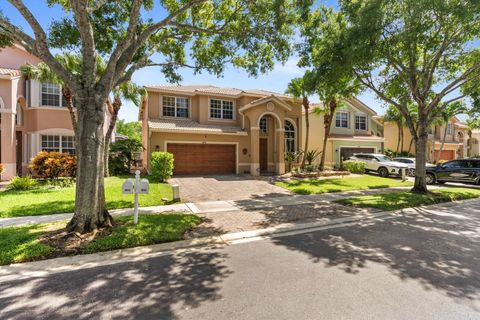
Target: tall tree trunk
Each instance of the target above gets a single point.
(401, 137)
(437, 158)
(117, 103)
(90, 210)
(420, 185)
(327, 121)
(307, 130)
(410, 146)
(67, 94)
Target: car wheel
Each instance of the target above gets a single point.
(411, 172)
(383, 172)
(430, 178)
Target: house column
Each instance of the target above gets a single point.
(255, 151)
(280, 163)
(8, 144)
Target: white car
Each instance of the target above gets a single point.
(410, 162)
(381, 163)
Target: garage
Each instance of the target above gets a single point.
(346, 153)
(445, 155)
(202, 159)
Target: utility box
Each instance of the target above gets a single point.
(144, 186)
(128, 186)
(176, 192)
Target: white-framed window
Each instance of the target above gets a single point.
(19, 116)
(290, 136)
(450, 129)
(263, 125)
(62, 144)
(222, 109)
(52, 95)
(177, 107)
(361, 122)
(341, 119)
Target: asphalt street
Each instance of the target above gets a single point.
(422, 266)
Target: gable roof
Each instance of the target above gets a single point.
(8, 72)
(262, 100)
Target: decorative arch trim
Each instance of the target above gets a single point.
(270, 113)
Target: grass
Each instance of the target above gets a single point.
(400, 200)
(26, 243)
(341, 184)
(46, 199)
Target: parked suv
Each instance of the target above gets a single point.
(380, 163)
(410, 162)
(460, 170)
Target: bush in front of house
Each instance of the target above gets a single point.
(354, 166)
(122, 155)
(22, 183)
(53, 165)
(161, 164)
(2, 168)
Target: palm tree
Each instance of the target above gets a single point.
(127, 91)
(298, 89)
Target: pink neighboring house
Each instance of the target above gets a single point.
(33, 115)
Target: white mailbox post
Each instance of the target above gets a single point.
(135, 186)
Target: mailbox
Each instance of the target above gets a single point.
(144, 186)
(128, 186)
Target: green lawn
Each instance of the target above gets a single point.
(20, 244)
(400, 200)
(49, 200)
(341, 184)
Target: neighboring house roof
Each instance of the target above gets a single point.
(461, 125)
(334, 136)
(212, 90)
(188, 126)
(7, 72)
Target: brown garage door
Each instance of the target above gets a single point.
(202, 158)
(445, 155)
(348, 152)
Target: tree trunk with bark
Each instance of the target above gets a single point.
(327, 121)
(90, 209)
(439, 154)
(410, 146)
(67, 94)
(117, 103)
(399, 135)
(421, 141)
(306, 105)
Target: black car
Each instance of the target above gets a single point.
(461, 170)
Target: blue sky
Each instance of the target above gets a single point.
(276, 80)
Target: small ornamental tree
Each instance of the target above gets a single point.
(52, 165)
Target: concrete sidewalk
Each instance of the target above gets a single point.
(207, 209)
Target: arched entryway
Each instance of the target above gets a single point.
(268, 124)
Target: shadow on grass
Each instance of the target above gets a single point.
(154, 288)
(439, 249)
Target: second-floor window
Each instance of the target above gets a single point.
(341, 119)
(221, 109)
(177, 107)
(361, 122)
(52, 95)
(450, 129)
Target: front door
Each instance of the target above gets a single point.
(19, 152)
(263, 155)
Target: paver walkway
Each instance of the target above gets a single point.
(239, 215)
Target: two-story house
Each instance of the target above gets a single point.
(474, 144)
(454, 146)
(355, 129)
(33, 116)
(213, 130)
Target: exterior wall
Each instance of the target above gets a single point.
(14, 57)
(332, 153)
(392, 138)
(474, 144)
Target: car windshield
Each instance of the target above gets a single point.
(383, 158)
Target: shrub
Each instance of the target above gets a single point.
(310, 168)
(122, 155)
(161, 164)
(22, 183)
(292, 157)
(311, 155)
(2, 168)
(52, 165)
(393, 154)
(354, 166)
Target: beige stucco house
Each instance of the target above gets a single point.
(33, 116)
(355, 129)
(213, 130)
(455, 145)
(474, 144)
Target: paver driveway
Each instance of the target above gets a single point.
(226, 187)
